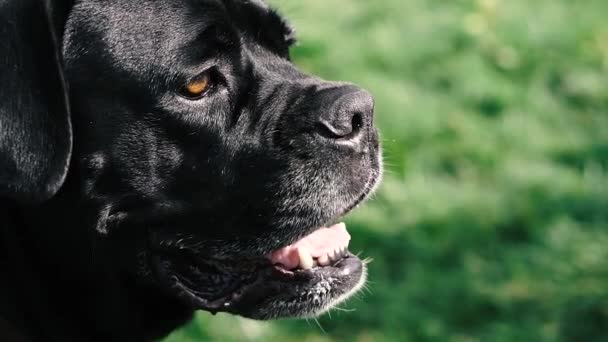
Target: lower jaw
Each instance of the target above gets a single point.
(276, 285)
(282, 298)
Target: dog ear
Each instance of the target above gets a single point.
(35, 127)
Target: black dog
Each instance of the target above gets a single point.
(158, 157)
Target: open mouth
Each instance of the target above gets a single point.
(303, 279)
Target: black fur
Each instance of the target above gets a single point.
(170, 204)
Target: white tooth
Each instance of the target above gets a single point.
(305, 258)
(332, 255)
(323, 260)
(336, 255)
(314, 263)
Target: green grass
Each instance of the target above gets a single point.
(492, 221)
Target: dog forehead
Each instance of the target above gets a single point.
(137, 35)
(134, 30)
(155, 20)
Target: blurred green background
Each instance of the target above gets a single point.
(492, 221)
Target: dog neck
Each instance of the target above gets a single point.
(55, 291)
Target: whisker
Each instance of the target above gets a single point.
(320, 327)
(367, 289)
(367, 260)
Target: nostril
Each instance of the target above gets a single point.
(356, 123)
(342, 130)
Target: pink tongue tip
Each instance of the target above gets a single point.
(320, 242)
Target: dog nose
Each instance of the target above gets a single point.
(347, 117)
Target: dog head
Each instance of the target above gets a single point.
(215, 166)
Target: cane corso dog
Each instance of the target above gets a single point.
(159, 157)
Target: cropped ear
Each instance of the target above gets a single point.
(35, 127)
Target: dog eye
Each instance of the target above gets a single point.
(198, 86)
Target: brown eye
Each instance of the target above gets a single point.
(197, 86)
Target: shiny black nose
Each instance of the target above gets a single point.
(346, 116)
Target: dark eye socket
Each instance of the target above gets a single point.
(199, 86)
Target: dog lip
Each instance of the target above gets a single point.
(370, 186)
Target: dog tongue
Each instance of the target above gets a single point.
(320, 243)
